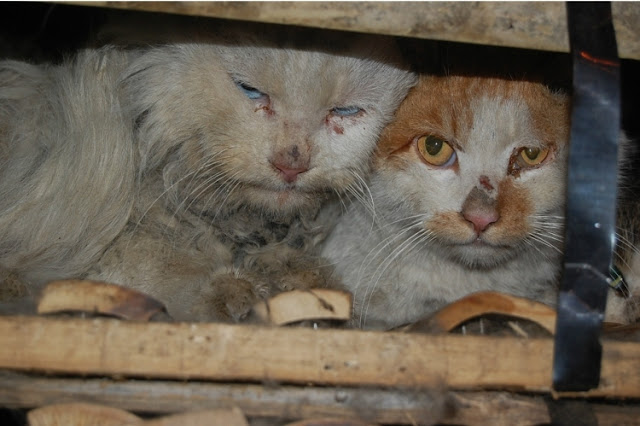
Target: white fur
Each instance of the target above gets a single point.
(151, 168)
(401, 267)
(399, 271)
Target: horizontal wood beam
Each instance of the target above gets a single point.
(221, 352)
(386, 406)
(531, 25)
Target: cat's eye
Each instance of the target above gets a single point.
(346, 111)
(532, 156)
(250, 92)
(436, 151)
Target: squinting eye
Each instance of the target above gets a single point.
(250, 92)
(436, 151)
(532, 156)
(346, 111)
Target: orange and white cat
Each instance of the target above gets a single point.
(468, 191)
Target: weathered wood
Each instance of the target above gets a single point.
(299, 305)
(297, 355)
(97, 297)
(482, 303)
(75, 413)
(292, 402)
(532, 25)
(81, 413)
(270, 400)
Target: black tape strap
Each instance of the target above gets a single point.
(591, 196)
(568, 412)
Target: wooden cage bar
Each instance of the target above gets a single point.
(301, 372)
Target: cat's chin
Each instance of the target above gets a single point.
(284, 200)
(480, 254)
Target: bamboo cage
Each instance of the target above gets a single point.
(233, 374)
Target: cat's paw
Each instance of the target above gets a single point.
(305, 275)
(229, 299)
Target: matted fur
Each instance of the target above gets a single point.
(152, 168)
(422, 250)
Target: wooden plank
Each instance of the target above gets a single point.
(387, 406)
(76, 413)
(531, 25)
(223, 352)
(286, 402)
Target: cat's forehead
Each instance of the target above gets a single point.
(313, 76)
(472, 111)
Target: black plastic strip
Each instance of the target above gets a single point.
(563, 412)
(591, 196)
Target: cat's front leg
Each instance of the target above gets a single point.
(229, 298)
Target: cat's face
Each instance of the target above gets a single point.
(276, 128)
(479, 166)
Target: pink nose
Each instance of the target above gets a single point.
(289, 174)
(481, 220)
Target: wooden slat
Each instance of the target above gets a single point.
(386, 406)
(532, 25)
(163, 397)
(296, 355)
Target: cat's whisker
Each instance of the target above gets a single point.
(165, 192)
(560, 218)
(213, 196)
(203, 187)
(381, 246)
(192, 197)
(409, 244)
(421, 216)
(549, 235)
(534, 245)
(230, 187)
(146, 211)
(371, 256)
(541, 240)
(548, 225)
(205, 168)
(624, 242)
(621, 259)
(356, 191)
(343, 208)
(209, 161)
(364, 187)
(235, 183)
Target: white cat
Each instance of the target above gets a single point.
(468, 189)
(195, 170)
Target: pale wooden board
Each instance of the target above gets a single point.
(223, 352)
(531, 25)
(293, 402)
(270, 400)
(87, 414)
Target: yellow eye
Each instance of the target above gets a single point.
(436, 151)
(530, 157)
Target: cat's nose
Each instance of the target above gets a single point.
(289, 174)
(481, 219)
(290, 162)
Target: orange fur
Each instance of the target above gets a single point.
(514, 206)
(482, 220)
